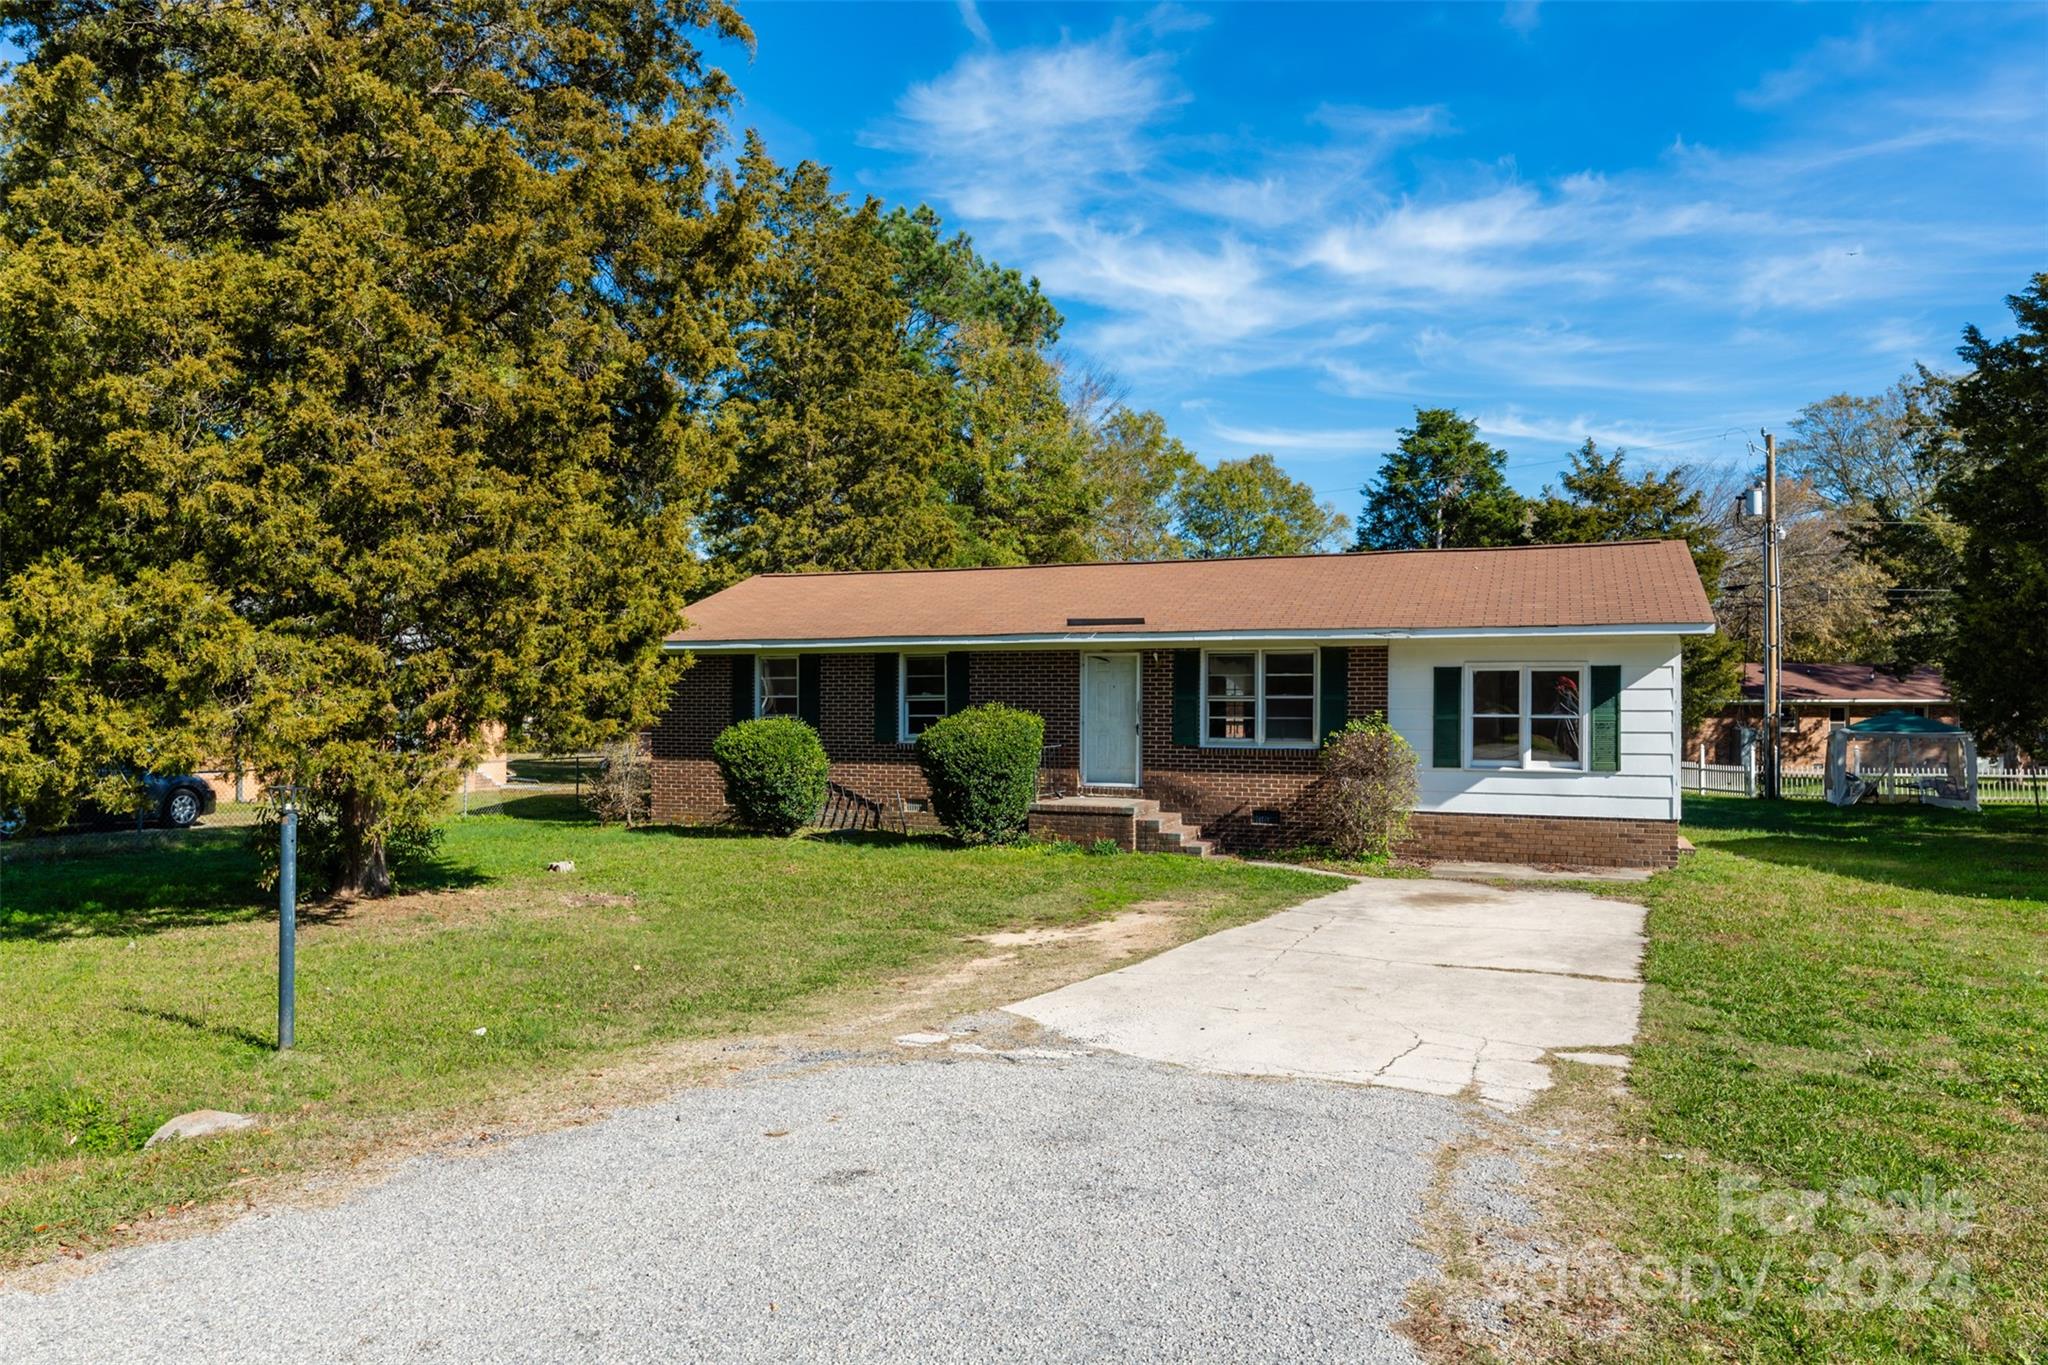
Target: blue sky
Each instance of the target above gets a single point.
(1285, 227)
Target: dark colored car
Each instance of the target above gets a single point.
(176, 800)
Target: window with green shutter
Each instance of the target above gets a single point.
(1336, 699)
(1445, 731)
(809, 703)
(1606, 713)
(885, 698)
(742, 687)
(1187, 697)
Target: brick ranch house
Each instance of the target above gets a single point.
(1821, 699)
(1184, 700)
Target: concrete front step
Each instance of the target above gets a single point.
(1168, 833)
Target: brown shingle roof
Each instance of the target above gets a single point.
(1627, 583)
(1846, 682)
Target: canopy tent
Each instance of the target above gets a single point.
(1899, 756)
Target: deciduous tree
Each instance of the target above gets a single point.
(1134, 472)
(1251, 507)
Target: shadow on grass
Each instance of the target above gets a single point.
(148, 889)
(2001, 851)
(183, 1020)
(558, 808)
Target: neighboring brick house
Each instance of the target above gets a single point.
(1539, 686)
(1821, 699)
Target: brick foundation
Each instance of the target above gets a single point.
(1571, 841)
(1244, 799)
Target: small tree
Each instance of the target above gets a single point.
(624, 791)
(774, 770)
(982, 767)
(1366, 789)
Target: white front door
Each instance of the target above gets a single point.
(1109, 720)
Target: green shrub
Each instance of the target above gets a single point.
(1365, 788)
(982, 767)
(1104, 847)
(774, 770)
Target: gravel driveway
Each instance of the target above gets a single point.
(927, 1205)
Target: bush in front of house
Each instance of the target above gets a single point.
(982, 767)
(774, 770)
(1367, 785)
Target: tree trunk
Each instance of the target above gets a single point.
(364, 873)
(367, 875)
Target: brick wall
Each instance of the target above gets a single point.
(1246, 799)
(1085, 827)
(1571, 841)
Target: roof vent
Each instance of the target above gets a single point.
(1105, 620)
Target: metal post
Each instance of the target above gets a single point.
(287, 921)
(1773, 620)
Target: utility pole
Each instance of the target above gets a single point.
(1774, 618)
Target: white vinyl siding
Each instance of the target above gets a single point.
(1647, 786)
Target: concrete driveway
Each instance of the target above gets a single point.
(1420, 985)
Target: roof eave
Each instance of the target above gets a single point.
(1160, 639)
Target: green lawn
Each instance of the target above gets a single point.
(1840, 1005)
(139, 985)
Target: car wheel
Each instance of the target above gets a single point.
(181, 808)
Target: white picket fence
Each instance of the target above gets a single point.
(1996, 784)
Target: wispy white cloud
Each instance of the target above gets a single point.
(1522, 15)
(1357, 260)
(970, 15)
(1828, 60)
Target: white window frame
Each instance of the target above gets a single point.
(761, 684)
(903, 735)
(1315, 705)
(1527, 762)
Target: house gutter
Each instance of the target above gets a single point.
(1142, 640)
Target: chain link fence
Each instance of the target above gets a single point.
(215, 806)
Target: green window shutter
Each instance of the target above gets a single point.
(742, 687)
(956, 681)
(1606, 711)
(807, 706)
(1446, 745)
(1187, 696)
(885, 699)
(1336, 690)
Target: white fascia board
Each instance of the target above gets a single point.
(1085, 639)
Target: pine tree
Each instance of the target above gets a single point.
(1600, 502)
(1443, 488)
(1015, 479)
(1995, 488)
(352, 373)
(838, 428)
